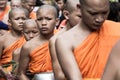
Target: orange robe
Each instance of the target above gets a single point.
(62, 24)
(2, 14)
(32, 15)
(7, 53)
(40, 60)
(93, 53)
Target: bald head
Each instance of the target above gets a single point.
(96, 2)
(71, 5)
(30, 23)
(16, 3)
(48, 7)
(11, 13)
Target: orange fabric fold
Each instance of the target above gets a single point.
(32, 15)
(40, 60)
(2, 14)
(93, 53)
(92, 79)
(7, 53)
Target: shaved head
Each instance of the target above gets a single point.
(16, 3)
(48, 7)
(71, 5)
(11, 13)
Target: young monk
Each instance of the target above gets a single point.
(35, 57)
(29, 5)
(30, 30)
(15, 3)
(13, 39)
(83, 50)
(72, 15)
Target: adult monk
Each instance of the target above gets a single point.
(35, 57)
(83, 50)
(73, 16)
(13, 39)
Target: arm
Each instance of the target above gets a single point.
(23, 63)
(67, 60)
(112, 66)
(59, 75)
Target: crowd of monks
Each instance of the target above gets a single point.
(58, 40)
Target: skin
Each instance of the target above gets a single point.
(16, 3)
(67, 42)
(112, 71)
(73, 14)
(16, 20)
(46, 22)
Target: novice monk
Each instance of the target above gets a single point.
(83, 50)
(15, 3)
(35, 57)
(72, 15)
(29, 5)
(4, 10)
(30, 30)
(13, 39)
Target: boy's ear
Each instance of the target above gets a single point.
(66, 14)
(9, 23)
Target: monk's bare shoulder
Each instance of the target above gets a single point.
(31, 44)
(4, 38)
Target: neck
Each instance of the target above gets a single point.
(46, 36)
(16, 34)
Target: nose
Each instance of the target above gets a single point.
(21, 21)
(99, 19)
(44, 22)
(31, 35)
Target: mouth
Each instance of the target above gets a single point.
(44, 29)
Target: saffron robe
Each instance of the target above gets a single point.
(40, 60)
(92, 54)
(7, 53)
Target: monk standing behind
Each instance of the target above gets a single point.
(35, 57)
(13, 39)
(30, 30)
(73, 16)
(15, 3)
(83, 50)
(29, 5)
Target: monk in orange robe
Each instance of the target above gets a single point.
(13, 39)
(83, 50)
(4, 10)
(29, 5)
(36, 59)
(71, 14)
